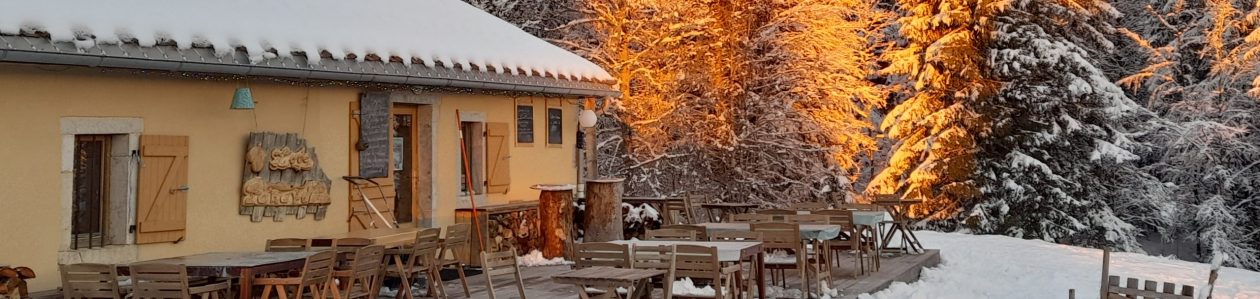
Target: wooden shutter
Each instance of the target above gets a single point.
(498, 158)
(161, 207)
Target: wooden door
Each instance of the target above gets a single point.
(403, 155)
(161, 206)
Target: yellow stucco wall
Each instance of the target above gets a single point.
(34, 99)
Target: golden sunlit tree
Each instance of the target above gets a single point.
(945, 61)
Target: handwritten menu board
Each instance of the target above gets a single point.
(374, 121)
(555, 126)
(524, 124)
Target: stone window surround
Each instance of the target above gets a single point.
(122, 187)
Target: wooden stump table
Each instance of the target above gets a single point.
(555, 213)
(603, 210)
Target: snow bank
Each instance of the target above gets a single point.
(449, 31)
(535, 258)
(1004, 267)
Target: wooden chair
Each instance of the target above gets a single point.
(740, 236)
(501, 263)
(751, 218)
(861, 207)
(669, 234)
(169, 281)
(456, 243)
(677, 212)
(656, 258)
(361, 279)
(859, 239)
(808, 219)
(1134, 287)
(288, 245)
(701, 232)
(777, 214)
(701, 262)
(787, 237)
(599, 255)
(420, 258)
(810, 206)
(82, 281)
(314, 282)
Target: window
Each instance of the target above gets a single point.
(474, 142)
(555, 125)
(524, 124)
(90, 199)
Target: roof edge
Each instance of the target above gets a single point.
(23, 49)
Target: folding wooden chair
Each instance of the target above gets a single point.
(810, 206)
(808, 219)
(701, 262)
(668, 234)
(787, 237)
(83, 281)
(600, 255)
(751, 218)
(501, 263)
(420, 258)
(740, 236)
(656, 258)
(456, 243)
(315, 280)
(288, 245)
(859, 239)
(701, 232)
(169, 281)
(777, 214)
(361, 279)
(677, 212)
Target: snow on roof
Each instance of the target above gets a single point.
(429, 31)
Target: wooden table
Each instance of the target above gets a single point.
(244, 265)
(388, 237)
(808, 231)
(900, 209)
(731, 252)
(720, 211)
(634, 280)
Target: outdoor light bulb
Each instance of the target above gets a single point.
(587, 118)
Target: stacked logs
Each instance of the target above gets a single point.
(517, 229)
(13, 281)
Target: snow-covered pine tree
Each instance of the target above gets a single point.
(1201, 67)
(944, 58)
(1059, 155)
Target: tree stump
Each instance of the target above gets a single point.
(555, 213)
(603, 210)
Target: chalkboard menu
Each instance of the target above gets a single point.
(524, 124)
(555, 126)
(374, 138)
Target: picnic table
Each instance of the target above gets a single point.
(720, 211)
(634, 280)
(808, 231)
(244, 265)
(900, 211)
(388, 237)
(728, 252)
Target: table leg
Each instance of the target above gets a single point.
(761, 275)
(247, 283)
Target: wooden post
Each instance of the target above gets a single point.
(603, 210)
(555, 213)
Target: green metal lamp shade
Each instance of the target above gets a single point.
(243, 100)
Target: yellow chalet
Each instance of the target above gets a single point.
(144, 129)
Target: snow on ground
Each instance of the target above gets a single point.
(535, 258)
(1004, 267)
(449, 31)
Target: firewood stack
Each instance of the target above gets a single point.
(13, 281)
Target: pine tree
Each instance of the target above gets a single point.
(944, 59)
(1060, 154)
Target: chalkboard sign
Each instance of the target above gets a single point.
(555, 126)
(524, 124)
(374, 138)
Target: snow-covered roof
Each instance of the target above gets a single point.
(421, 31)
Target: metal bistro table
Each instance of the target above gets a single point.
(234, 264)
(388, 237)
(720, 211)
(634, 280)
(730, 252)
